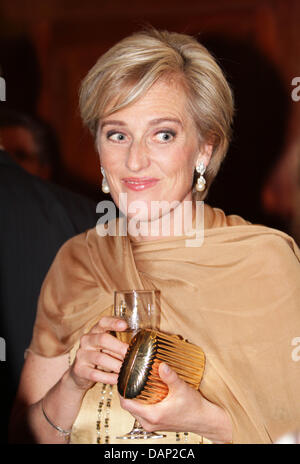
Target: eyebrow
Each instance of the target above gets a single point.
(153, 122)
(160, 120)
(113, 122)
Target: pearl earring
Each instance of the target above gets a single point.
(105, 186)
(201, 182)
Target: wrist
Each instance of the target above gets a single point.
(63, 433)
(71, 383)
(61, 404)
(224, 428)
(218, 425)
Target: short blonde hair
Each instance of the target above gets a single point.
(127, 70)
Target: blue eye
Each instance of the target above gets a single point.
(165, 136)
(115, 136)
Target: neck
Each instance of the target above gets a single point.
(179, 222)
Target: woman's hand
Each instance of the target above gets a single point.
(183, 410)
(100, 355)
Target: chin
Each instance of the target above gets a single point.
(146, 208)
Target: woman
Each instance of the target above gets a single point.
(160, 110)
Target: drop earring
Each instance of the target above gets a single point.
(201, 182)
(105, 186)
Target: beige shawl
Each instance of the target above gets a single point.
(237, 297)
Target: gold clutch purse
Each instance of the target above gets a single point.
(139, 377)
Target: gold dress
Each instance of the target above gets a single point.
(236, 296)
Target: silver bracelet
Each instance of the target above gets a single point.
(65, 433)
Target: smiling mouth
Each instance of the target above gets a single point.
(138, 184)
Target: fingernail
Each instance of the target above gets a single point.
(121, 324)
(167, 370)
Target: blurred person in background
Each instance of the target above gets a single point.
(31, 142)
(37, 217)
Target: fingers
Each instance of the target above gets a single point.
(107, 324)
(103, 341)
(101, 360)
(168, 414)
(149, 416)
(169, 376)
(100, 354)
(133, 406)
(90, 374)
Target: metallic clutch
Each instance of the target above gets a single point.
(139, 377)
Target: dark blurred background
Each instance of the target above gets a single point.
(47, 47)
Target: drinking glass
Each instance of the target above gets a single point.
(138, 309)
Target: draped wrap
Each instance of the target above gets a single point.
(237, 296)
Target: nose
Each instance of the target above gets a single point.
(137, 156)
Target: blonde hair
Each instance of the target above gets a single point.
(127, 70)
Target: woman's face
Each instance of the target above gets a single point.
(149, 150)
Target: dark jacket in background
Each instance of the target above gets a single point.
(36, 218)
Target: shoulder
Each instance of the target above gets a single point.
(30, 191)
(239, 227)
(256, 242)
(70, 210)
(216, 218)
(66, 196)
(82, 252)
(278, 247)
(274, 250)
(72, 276)
(49, 208)
(272, 240)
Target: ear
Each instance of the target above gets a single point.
(205, 153)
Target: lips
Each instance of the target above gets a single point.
(139, 183)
